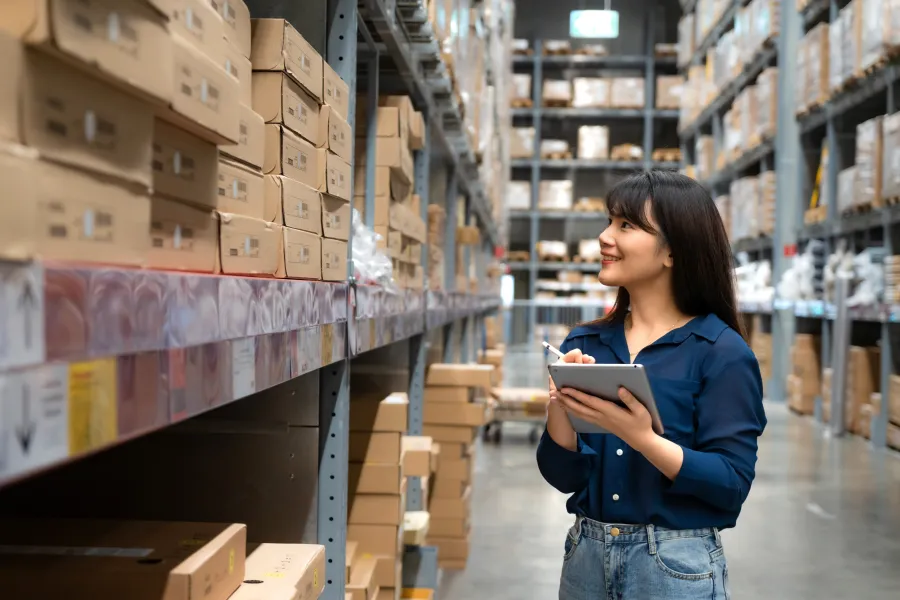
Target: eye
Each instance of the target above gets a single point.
(626, 225)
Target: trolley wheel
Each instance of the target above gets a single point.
(533, 436)
(498, 433)
(486, 432)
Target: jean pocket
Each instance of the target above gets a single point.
(684, 558)
(572, 539)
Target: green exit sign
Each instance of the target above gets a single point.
(594, 24)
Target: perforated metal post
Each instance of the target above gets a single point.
(534, 221)
(450, 231)
(417, 352)
(371, 135)
(649, 87)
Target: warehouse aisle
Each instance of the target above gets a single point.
(822, 521)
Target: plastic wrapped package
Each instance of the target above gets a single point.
(816, 86)
(836, 52)
(552, 250)
(593, 142)
(557, 47)
(627, 92)
(704, 152)
(589, 250)
(686, 40)
(521, 46)
(370, 264)
(869, 158)
(590, 92)
(890, 169)
(744, 194)
(800, 82)
(521, 87)
(669, 89)
(748, 114)
(845, 191)
(558, 91)
(522, 142)
(555, 195)
(851, 42)
(766, 210)
(767, 21)
(880, 30)
(767, 99)
(554, 148)
(518, 195)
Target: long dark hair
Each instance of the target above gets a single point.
(689, 223)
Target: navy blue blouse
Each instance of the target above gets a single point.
(707, 386)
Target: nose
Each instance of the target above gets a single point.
(606, 238)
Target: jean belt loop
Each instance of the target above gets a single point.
(651, 539)
(718, 537)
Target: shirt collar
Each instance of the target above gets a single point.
(708, 327)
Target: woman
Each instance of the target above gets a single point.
(648, 507)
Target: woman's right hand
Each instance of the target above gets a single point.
(558, 425)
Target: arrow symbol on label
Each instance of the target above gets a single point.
(27, 303)
(25, 429)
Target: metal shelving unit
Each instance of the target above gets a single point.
(95, 356)
(649, 119)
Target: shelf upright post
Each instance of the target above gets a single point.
(371, 134)
(649, 87)
(417, 359)
(534, 222)
(466, 333)
(334, 380)
(787, 189)
(450, 231)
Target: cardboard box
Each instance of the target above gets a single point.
(375, 478)
(669, 90)
(336, 217)
(301, 255)
(454, 413)
(287, 154)
(452, 508)
(389, 152)
(378, 447)
(387, 414)
(184, 166)
(334, 260)
(376, 509)
(187, 560)
(450, 528)
(415, 527)
(293, 204)
(73, 118)
(236, 18)
(300, 567)
(205, 99)
(447, 487)
(335, 134)
(627, 92)
(240, 190)
(417, 455)
(251, 146)
(336, 92)
(460, 375)
(238, 66)
(458, 469)
(362, 584)
(182, 238)
(350, 556)
(277, 46)
(890, 187)
(335, 178)
(450, 548)
(279, 99)
(376, 539)
(69, 214)
(448, 394)
(417, 131)
(390, 121)
(137, 62)
(248, 246)
(198, 23)
(444, 433)
(265, 591)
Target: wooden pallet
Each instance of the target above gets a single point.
(556, 155)
(557, 51)
(859, 209)
(521, 103)
(525, 52)
(590, 205)
(553, 258)
(557, 103)
(588, 260)
(666, 155)
(591, 51)
(893, 201)
(518, 256)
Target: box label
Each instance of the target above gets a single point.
(21, 315)
(93, 419)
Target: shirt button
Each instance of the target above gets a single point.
(615, 497)
(619, 452)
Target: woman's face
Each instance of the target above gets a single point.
(631, 255)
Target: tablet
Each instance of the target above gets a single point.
(604, 381)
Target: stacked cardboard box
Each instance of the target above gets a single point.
(593, 142)
(627, 92)
(308, 151)
(892, 279)
(174, 557)
(890, 176)
(397, 212)
(590, 92)
(804, 383)
(452, 412)
(669, 89)
(376, 493)
(863, 375)
(869, 160)
(437, 218)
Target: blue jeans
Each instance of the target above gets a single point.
(642, 562)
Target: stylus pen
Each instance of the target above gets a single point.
(553, 350)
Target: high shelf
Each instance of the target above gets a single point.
(827, 108)
(106, 372)
(648, 128)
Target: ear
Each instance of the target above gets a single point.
(669, 261)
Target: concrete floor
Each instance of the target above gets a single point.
(822, 520)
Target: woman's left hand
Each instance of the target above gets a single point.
(632, 424)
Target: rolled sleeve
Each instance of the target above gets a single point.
(720, 467)
(565, 470)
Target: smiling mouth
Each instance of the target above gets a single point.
(610, 258)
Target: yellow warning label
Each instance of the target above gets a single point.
(93, 416)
